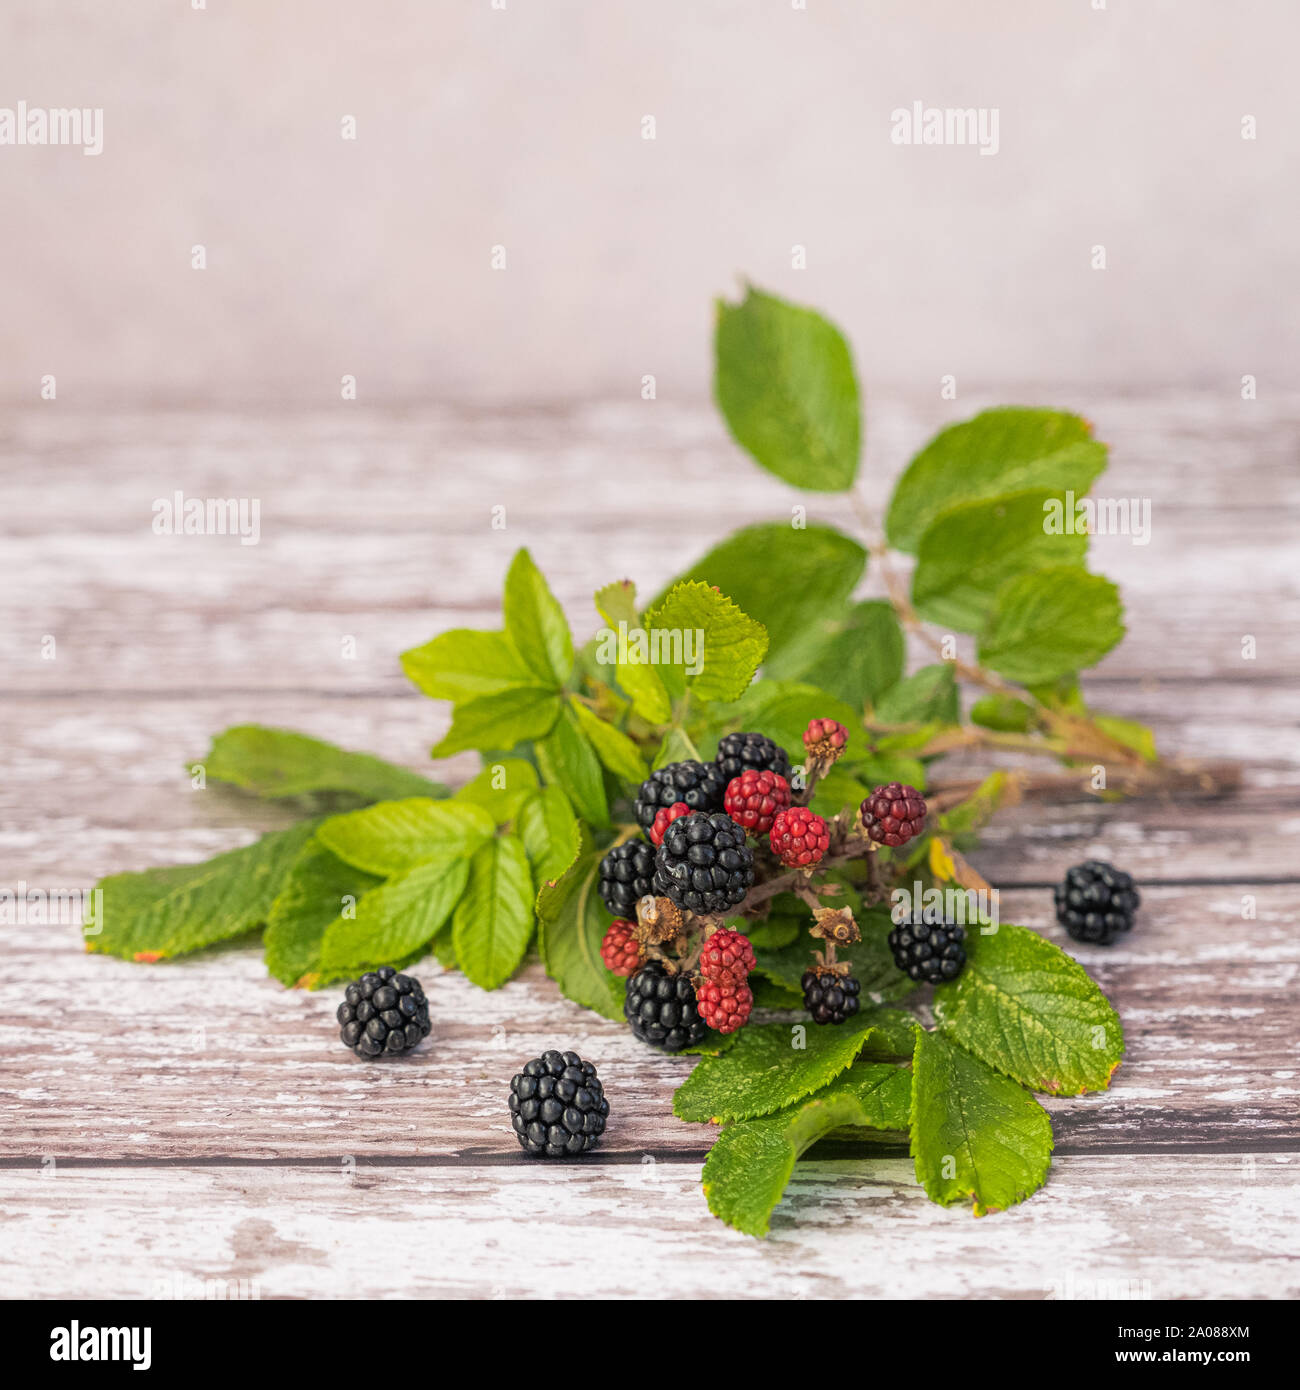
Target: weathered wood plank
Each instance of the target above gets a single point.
(210, 1057)
(1158, 1227)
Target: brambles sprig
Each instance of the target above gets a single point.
(667, 861)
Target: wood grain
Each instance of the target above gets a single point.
(130, 1094)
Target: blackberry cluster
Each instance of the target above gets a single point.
(558, 1106)
(829, 997)
(625, 876)
(703, 864)
(928, 947)
(700, 785)
(661, 1009)
(383, 1014)
(739, 752)
(1096, 902)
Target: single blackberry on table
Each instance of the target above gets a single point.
(704, 864)
(661, 1009)
(928, 947)
(1096, 902)
(558, 1106)
(383, 1014)
(625, 876)
(664, 817)
(893, 814)
(754, 797)
(738, 752)
(700, 785)
(620, 950)
(829, 997)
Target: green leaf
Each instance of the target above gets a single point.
(782, 709)
(754, 566)
(975, 1135)
(568, 759)
(784, 382)
(167, 912)
(999, 451)
(1002, 712)
(550, 832)
(750, 1164)
(1025, 1007)
(616, 603)
(466, 664)
(501, 788)
(1130, 733)
(395, 836)
(855, 654)
(396, 920)
(500, 721)
(1050, 622)
(969, 552)
(729, 644)
(677, 747)
(927, 695)
(571, 924)
(318, 888)
(613, 747)
(279, 762)
(493, 922)
(775, 1064)
(535, 623)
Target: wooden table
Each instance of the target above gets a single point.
(170, 1126)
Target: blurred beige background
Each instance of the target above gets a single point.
(522, 127)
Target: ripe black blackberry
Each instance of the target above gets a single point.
(703, 864)
(558, 1106)
(662, 1010)
(737, 752)
(625, 876)
(1096, 902)
(700, 785)
(383, 1014)
(928, 947)
(830, 998)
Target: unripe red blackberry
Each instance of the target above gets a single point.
(754, 798)
(725, 1004)
(893, 814)
(727, 953)
(664, 817)
(620, 950)
(825, 732)
(798, 837)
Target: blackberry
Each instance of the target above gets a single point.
(798, 837)
(620, 950)
(625, 876)
(700, 785)
(558, 1106)
(383, 1014)
(662, 1010)
(928, 947)
(738, 752)
(703, 864)
(893, 814)
(830, 998)
(1096, 902)
(754, 798)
